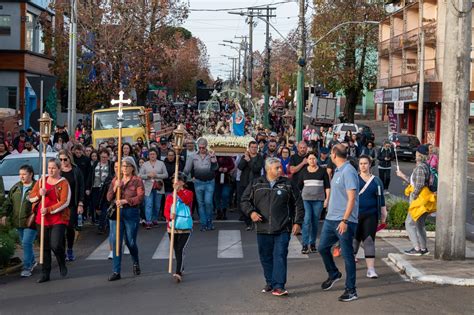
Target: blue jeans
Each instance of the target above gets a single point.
(204, 195)
(312, 213)
(329, 237)
(152, 205)
(222, 196)
(273, 252)
(129, 221)
(27, 238)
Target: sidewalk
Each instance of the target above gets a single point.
(426, 269)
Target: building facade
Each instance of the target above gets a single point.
(400, 60)
(24, 57)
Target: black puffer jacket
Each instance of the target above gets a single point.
(385, 153)
(280, 206)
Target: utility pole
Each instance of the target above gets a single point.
(266, 73)
(71, 113)
(452, 184)
(250, 66)
(421, 68)
(243, 46)
(300, 80)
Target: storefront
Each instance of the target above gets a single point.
(404, 117)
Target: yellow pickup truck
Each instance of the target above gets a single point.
(105, 125)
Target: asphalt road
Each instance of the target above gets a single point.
(215, 285)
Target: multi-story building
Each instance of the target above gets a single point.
(23, 55)
(400, 63)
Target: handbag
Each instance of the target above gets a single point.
(112, 212)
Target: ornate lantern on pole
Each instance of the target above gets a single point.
(178, 146)
(45, 133)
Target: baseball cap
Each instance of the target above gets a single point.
(273, 134)
(163, 140)
(423, 149)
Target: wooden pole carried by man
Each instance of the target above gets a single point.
(178, 146)
(118, 193)
(45, 132)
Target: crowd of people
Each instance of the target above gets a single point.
(279, 187)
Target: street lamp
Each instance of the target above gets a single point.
(45, 131)
(45, 128)
(178, 146)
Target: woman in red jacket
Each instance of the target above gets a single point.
(181, 237)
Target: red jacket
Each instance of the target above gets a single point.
(185, 195)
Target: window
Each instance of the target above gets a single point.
(34, 34)
(5, 24)
(30, 32)
(108, 120)
(8, 97)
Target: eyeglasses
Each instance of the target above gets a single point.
(104, 157)
(64, 160)
(202, 148)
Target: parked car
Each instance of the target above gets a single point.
(11, 164)
(405, 145)
(367, 131)
(341, 129)
(345, 127)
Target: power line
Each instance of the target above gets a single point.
(243, 8)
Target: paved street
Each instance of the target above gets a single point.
(218, 285)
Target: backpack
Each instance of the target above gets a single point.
(432, 181)
(183, 219)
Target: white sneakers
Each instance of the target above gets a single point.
(372, 274)
(111, 255)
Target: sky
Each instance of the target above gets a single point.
(214, 27)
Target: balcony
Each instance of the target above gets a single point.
(382, 83)
(395, 81)
(396, 43)
(384, 47)
(411, 38)
(410, 78)
(430, 33)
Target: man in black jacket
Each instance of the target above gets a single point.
(276, 207)
(251, 165)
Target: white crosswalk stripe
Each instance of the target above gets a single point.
(102, 251)
(163, 249)
(229, 244)
(294, 249)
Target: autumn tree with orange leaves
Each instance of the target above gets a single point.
(127, 45)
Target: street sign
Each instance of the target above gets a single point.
(398, 107)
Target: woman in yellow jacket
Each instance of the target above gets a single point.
(419, 179)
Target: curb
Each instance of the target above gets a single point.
(12, 269)
(399, 234)
(414, 274)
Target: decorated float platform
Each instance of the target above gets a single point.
(228, 145)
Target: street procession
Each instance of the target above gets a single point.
(236, 157)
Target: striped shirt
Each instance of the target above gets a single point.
(313, 184)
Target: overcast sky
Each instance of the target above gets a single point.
(214, 27)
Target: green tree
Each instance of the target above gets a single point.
(345, 58)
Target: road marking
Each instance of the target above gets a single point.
(294, 249)
(102, 251)
(229, 244)
(163, 249)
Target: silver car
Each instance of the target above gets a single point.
(11, 164)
